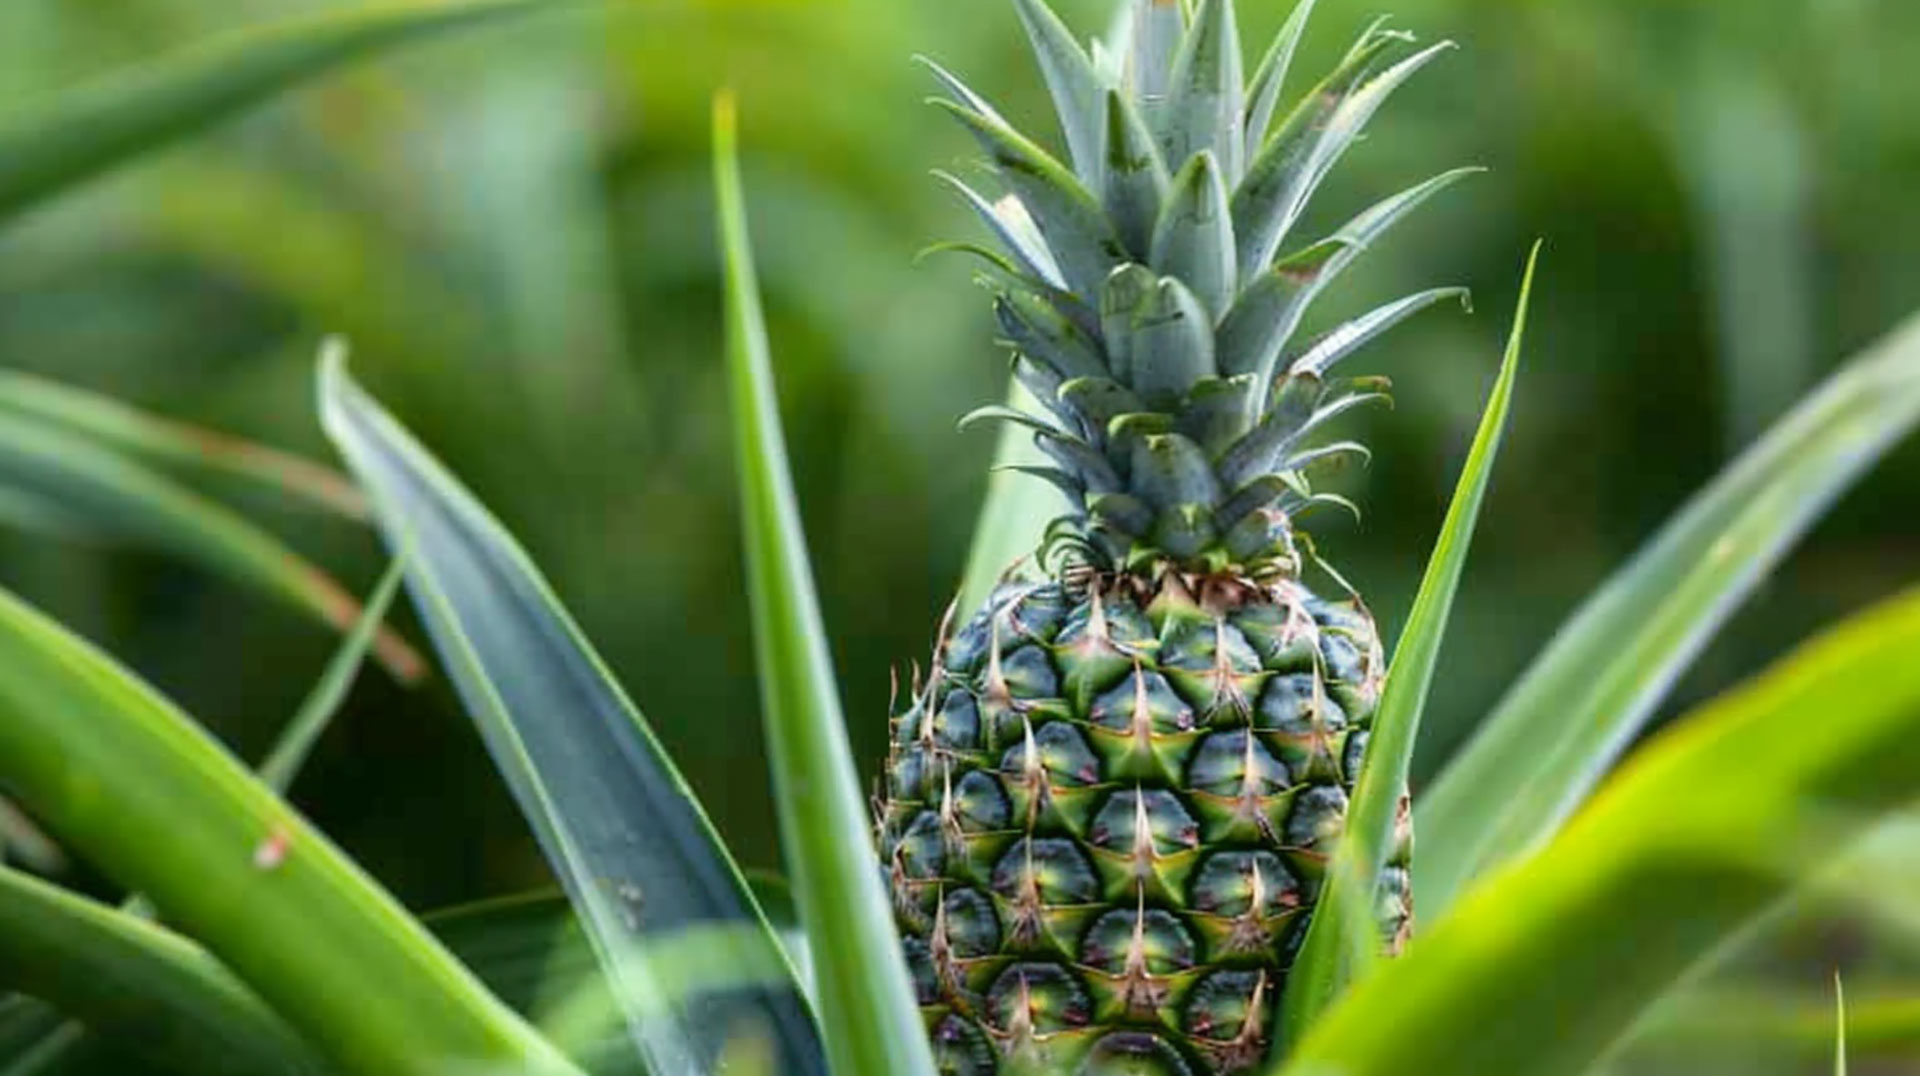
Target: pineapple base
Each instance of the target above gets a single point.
(1108, 810)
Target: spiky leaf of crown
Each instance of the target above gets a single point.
(1142, 288)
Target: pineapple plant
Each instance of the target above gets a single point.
(1111, 797)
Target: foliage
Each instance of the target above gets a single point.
(522, 258)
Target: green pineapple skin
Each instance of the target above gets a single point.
(1108, 807)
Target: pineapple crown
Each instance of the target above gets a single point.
(1142, 288)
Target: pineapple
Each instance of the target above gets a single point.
(1111, 798)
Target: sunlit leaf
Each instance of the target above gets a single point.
(1539, 969)
(125, 779)
(85, 131)
(149, 989)
(1592, 690)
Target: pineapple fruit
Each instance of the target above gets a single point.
(1110, 800)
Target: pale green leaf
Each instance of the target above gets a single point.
(146, 987)
(1581, 703)
(618, 824)
(85, 131)
(1541, 968)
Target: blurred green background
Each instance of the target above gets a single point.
(514, 228)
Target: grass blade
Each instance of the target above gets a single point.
(1592, 690)
(113, 423)
(1329, 960)
(124, 778)
(119, 497)
(623, 832)
(872, 1025)
(88, 130)
(146, 987)
(1536, 971)
(289, 754)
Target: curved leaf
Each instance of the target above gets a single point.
(283, 762)
(124, 778)
(110, 494)
(112, 422)
(1591, 691)
(88, 130)
(145, 986)
(618, 824)
(1537, 971)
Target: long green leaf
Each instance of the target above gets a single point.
(288, 755)
(618, 824)
(867, 1008)
(1329, 960)
(144, 986)
(116, 496)
(1585, 698)
(1545, 966)
(113, 423)
(88, 130)
(121, 776)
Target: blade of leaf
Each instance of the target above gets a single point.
(1328, 963)
(289, 752)
(1691, 829)
(122, 777)
(1015, 514)
(1269, 79)
(1350, 336)
(1270, 202)
(1071, 221)
(1593, 688)
(146, 986)
(1206, 100)
(1078, 96)
(119, 496)
(868, 1012)
(86, 131)
(113, 423)
(618, 824)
